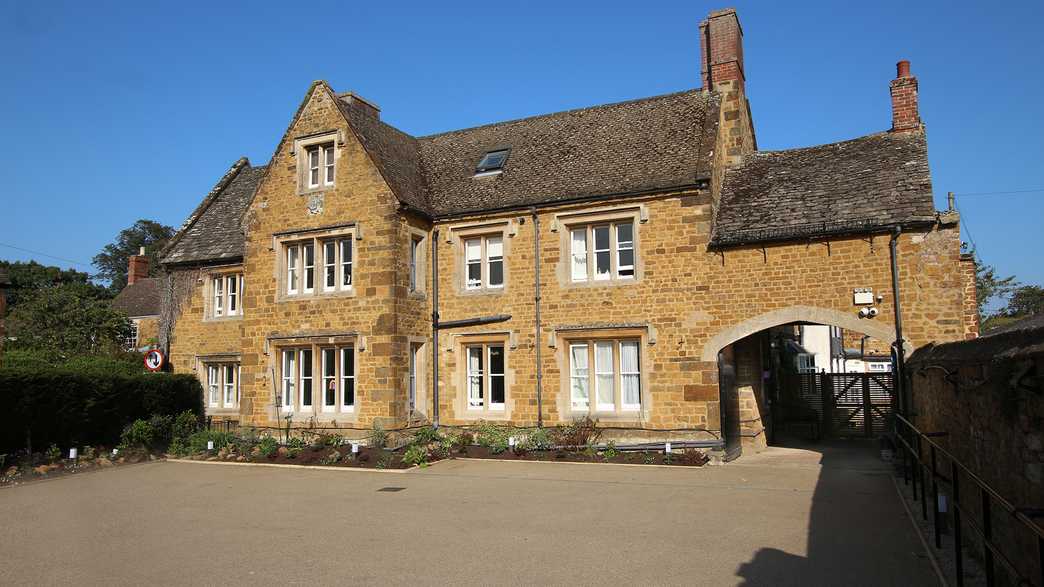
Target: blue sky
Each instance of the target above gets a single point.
(114, 111)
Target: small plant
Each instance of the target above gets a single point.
(53, 453)
(267, 446)
(463, 441)
(610, 451)
(666, 457)
(296, 442)
(88, 453)
(540, 439)
(415, 454)
(291, 453)
(581, 433)
(383, 461)
(197, 443)
(648, 458)
(378, 435)
(427, 435)
(331, 459)
(185, 424)
(695, 457)
(493, 437)
(138, 434)
(446, 446)
(161, 429)
(178, 447)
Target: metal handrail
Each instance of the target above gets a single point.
(991, 552)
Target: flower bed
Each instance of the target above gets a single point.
(609, 454)
(53, 463)
(316, 455)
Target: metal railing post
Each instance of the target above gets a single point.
(958, 552)
(913, 471)
(987, 535)
(920, 472)
(937, 518)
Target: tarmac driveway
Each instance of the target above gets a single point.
(787, 517)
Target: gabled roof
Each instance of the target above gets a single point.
(628, 147)
(876, 181)
(141, 298)
(213, 232)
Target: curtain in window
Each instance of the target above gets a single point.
(604, 375)
(579, 251)
(473, 256)
(578, 375)
(475, 376)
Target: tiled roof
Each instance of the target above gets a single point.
(641, 145)
(141, 298)
(874, 181)
(213, 232)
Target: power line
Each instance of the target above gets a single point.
(1031, 191)
(46, 255)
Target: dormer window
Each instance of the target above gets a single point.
(492, 162)
(321, 165)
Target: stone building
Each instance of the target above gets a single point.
(140, 300)
(618, 261)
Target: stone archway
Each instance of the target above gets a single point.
(848, 320)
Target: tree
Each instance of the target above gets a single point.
(27, 277)
(68, 319)
(1025, 301)
(988, 286)
(112, 260)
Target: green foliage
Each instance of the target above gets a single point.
(415, 454)
(67, 320)
(178, 447)
(610, 451)
(383, 461)
(296, 442)
(493, 437)
(331, 459)
(1026, 300)
(53, 453)
(540, 439)
(427, 435)
(378, 435)
(122, 363)
(185, 424)
(138, 434)
(71, 408)
(462, 441)
(161, 429)
(88, 453)
(648, 458)
(989, 286)
(267, 446)
(197, 443)
(292, 452)
(113, 259)
(28, 277)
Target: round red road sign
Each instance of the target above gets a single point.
(154, 360)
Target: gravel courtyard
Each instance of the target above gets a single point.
(827, 516)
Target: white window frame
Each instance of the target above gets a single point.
(484, 261)
(288, 372)
(214, 383)
(596, 371)
(218, 284)
(296, 269)
(411, 388)
(293, 268)
(307, 268)
(294, 364)
(222, 394)
(347, 379)
(329, 164)
(583, 259)
(321, 161)
(302, 363)
(328, 355)
(484, 376)
(416, 257)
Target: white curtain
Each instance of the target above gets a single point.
(579, 250)
(578, 375)
(604, 374)
(630, 373)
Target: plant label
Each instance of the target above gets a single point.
(511, 441)
(355, 448)
(667, 448)
(115, 451)
(72, 453)
(210, 445)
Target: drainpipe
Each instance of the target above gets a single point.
(536, 300)
(435, 328)
(900, 370)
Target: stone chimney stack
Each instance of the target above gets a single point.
(906, 116)
(721, 50)
(137, 267)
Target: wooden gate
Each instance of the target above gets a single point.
(846, 404)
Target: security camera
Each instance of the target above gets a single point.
(873, 312)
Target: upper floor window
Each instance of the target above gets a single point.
(602, 252)
(416, 263)
(227, 295)
(492, 162)
(319, 264)
(615, 377)
(222, 385)
(484, 262)
(321, 165)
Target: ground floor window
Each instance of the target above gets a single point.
(317, 378)
(485, 383)
(614, 381)
(222, 385)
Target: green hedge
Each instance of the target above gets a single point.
(73, 408)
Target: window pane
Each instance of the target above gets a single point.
(578, 375)
(289, 375)
(624, 234)
(219, 297)
(601, 238)
(346, 262)
(233, 293)
(475, 376)
(604, 375)
(329, 160)
(473, 256)
(496, 273)
(230, 385)
(496, 375)
(414, 257)
(601, 248)
(309, 267)
(630, 378)
(329, 265)
(625, 263)
(329, 377)
(625, 250)
(495, 259)
(212, 384)
(348, 376)
(313, 157)
(579, 253)
(291, 269)
(306, 378)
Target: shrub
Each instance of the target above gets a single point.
(415, 454)
(580, 434)
(178, 447)
(138, 434)
(539, 439)
(696, 457)
(268, 446)
(462, 441)
(427, 435)
(610, 450)
(197, 443)
(162, 426)
(185, 424)
(69, 408)
(378, 435)
(296, 443)
(53, 453)
(493, 437)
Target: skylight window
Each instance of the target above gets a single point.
(493, 161)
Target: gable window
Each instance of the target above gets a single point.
(615, 379)
(602, 252)
(416, 263)
(321, 264)
(323, 375)
(320, 165)
(485, 376)
(227, 291)
(484, 262)
(222, 385)
(492, 161)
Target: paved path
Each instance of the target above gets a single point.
(780, 518)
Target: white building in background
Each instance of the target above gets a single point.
(822, 349)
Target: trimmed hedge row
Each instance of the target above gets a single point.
(71, 408)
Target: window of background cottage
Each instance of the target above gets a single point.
(485, 377)
(484, 262)
(222, 385)
(334, 386)
(326, 260)
(615, 379)
(601, 252)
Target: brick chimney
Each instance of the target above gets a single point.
(721, 49)
(906, 116)
(137, 267)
